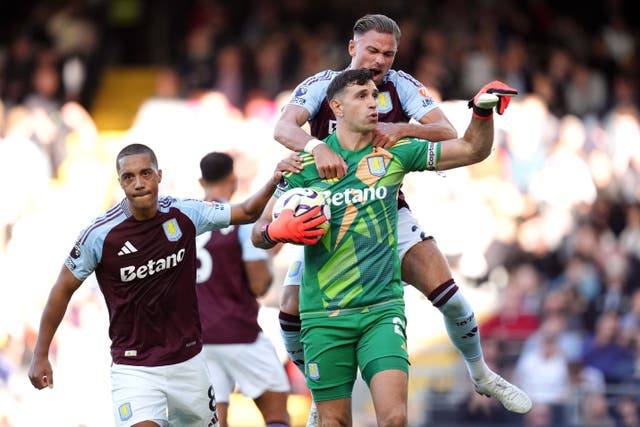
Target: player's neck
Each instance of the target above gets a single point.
(217, 192)
(353, 140)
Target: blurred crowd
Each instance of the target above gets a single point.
(548, 226)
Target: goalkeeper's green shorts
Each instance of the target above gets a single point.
(335, 347)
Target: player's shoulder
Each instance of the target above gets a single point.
(186, 205)
(399, 77)
(403, 142)
(322, 78)
(407, 145)
(167, 202)
(102, 224)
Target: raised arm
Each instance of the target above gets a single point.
(288, 132)
(40, 371)
(473, 147)
(477, 141)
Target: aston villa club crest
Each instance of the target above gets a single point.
(384, 102)
(172, 230)
(313, 371)
(376, 165)
(125, 411)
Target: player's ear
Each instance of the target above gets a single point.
(352, 47)
(159, 176)
(336, 107)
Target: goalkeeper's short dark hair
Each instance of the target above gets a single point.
(216, 166)
(346, 78)
(380, 23)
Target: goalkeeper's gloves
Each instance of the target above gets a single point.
(301, 230)
(495, 94)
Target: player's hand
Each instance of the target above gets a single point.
(328, 163)
(495, 94)
(293, 163)
(288, 228)
(386, 135)
(40, 373)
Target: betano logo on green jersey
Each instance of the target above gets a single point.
(352, 196)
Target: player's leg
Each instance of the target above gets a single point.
(384, 363)
(138, 396)
(426, 268)
(289, 315)
(190, 395)
(222, 381)
(273, 407)
(260, 375)
(389, 395)
(331, 366)
(334, 413)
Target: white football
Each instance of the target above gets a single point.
(302, 199)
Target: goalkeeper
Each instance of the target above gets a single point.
(351, 299)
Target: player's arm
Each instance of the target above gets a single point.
(473, 147)
(259, 276)
(477, 141)
(40, 371)
(433, 126)
(249, 210)
(257, 236)
(288, 132)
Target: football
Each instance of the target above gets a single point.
(301, 200)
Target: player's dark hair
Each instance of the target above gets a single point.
(132, 149)
(379, 23)
(216, 166)
(346, 78)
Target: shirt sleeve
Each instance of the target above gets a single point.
(412, 153)
(310, 93)
(414, 96)
(206, 216)
(85, 254)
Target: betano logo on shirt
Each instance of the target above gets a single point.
(355, 195)
(132, 272)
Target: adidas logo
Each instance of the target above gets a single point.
(128, 248)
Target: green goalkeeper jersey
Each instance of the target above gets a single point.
(355, 266)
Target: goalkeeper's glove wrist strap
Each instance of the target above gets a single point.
(481, 113)
(265, 236)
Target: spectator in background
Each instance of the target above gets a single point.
(513, 321)
(627, 411)
(231, 275)
(18, 68)
(630, 320)
(17, 149)
(542, 372)
(196, 63)
(595, 411)
(44, 104)
(565, 179)
(586, 91)
(232, 74)
(603, 351)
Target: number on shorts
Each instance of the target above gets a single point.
(399, 326)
